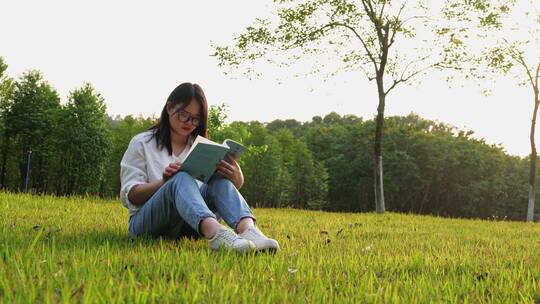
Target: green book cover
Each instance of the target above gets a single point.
(205, 154)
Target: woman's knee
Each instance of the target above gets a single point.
(220, 181)
(221, 186)
(181, 175)
(183, 178)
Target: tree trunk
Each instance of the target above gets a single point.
(22, 167)
(532, 171)
(4, 163)
(378, 159)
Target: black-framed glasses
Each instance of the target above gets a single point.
(184, 116)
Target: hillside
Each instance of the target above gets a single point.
(77, 249)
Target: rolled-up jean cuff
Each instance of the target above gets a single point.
(241, 217)
(199, 220)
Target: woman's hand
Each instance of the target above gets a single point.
(171, 170)
(140, 193)
(230, 169)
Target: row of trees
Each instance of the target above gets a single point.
(431, 167)
(69, 143)
(325, 163)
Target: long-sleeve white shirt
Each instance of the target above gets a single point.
(143, 162)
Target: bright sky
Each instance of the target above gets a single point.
(136, 52)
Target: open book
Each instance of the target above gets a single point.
(205, 154)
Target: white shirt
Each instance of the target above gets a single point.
(143, 162)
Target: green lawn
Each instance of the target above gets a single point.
(77, 249)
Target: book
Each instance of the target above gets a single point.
(205, 154)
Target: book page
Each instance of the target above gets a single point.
(202, 160)
(201, 139)
(235, 148)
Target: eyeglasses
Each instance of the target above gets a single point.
(184, 116)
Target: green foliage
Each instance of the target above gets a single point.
(457, 174)
(430, 168)
(310, 179)
(85, 140)
(31, 120)
(6, 97)
(216, 119)
(281, 171)
(77, 250)
(345, 153)
(507, 33)
(291, 124)
(267, 182)
(3, 67)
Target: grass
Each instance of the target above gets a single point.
(77, 250)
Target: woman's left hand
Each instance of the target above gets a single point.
(230, 169)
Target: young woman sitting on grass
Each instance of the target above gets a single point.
(163, 201)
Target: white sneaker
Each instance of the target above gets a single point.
(227, 239)
(261, 241)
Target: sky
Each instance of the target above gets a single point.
(136, 52)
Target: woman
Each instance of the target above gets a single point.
(163, 201)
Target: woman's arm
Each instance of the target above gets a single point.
(140, 193)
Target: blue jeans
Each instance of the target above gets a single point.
(177, 208)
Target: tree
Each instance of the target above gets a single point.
(510, 36)
(523, 58)
(6, 92)
(267, 182)
(291, 124)
(31, 122)
(216, 120)
(86, 142)
(310, 179)
(364, 35)
(343, 146)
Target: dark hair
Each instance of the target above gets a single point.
(182, 95)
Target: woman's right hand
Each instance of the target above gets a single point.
(171, 170)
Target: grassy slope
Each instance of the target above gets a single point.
(58, 249)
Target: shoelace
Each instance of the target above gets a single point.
(227, 236)
(253, 233)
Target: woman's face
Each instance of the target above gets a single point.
(184, 122)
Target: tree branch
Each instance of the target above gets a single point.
(368, 8)
(405, 79)
(411, 63)
(366, 72)
(417, 17)
(518, 57)
(364, 44)
(397, 24)
(521, 61)
(382, 10)
(537, 73)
